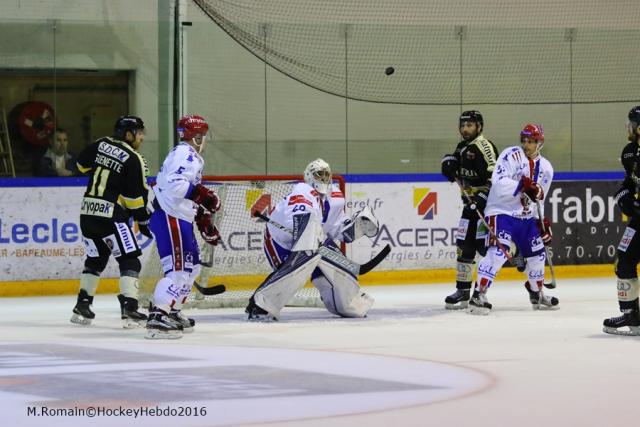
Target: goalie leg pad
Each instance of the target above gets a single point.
(276, 254)
(331, 254)
(281, 285)
(340, 291)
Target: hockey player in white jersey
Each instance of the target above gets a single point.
(312, 215)
(180, 199)
(520, 180)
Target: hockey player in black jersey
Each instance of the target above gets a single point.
(471, 164)
(628, 253)
(117, 190)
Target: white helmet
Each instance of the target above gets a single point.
(318, 175)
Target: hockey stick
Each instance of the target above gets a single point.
(484, 222)
(209, 262)
(354, 267)
(551, 285)
(212, 290)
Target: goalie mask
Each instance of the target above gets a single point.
(318, 175)
(193, 129)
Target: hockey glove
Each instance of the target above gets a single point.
(450, 167)
(627, 204)
(143, 226)
(208, 231)
(204, 197)
(545, 231)
(531, 188)
(479, 202)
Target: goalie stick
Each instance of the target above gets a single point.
(354, 267)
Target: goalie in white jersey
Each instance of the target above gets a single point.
(180, 199)
(312, 215)
(520, 180)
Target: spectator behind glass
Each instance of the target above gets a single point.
(56, 161)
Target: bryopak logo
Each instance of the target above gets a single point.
(426, 201)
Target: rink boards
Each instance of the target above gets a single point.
(41, 250)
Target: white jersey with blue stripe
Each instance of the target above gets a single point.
(505, 196)
(180, 171)
(304, 199)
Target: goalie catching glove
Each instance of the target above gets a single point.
(204, 197)
(363, 223)
(545, 231)
(208, 231)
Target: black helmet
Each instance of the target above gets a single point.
(634, 116)
(471, 116)
(127, 123)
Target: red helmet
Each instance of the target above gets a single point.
(533, 131)
(190, 126)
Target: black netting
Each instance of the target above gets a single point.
(444, 53)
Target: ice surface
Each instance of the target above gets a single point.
(409, 363)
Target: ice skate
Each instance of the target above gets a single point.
(257, 314)
(458, 300)
(540, 301)
(187, 323)
(131, 317)
(161, 326)
(627, 324)
(479, 305)
(82, 314)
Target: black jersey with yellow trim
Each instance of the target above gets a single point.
(477, 159)
(117, 186)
